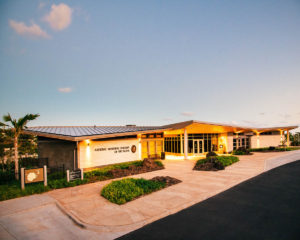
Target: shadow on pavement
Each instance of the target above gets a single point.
(264, 207)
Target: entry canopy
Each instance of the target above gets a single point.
(209, 127)
(79, 133)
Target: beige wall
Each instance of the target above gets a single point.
(100, 153)
(265, 141)
(230, 137)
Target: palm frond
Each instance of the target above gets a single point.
(3, 124)
(24, 120)
(7, 118)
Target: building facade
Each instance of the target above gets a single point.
(88, 147)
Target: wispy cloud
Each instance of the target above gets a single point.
(60, 16)
(33, 30)
(168, 119)
(41, 5)
(65, 90)
(285, 116)
(187, 114)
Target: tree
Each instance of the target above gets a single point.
(17, 126)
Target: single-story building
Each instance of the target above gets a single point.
(92, 146)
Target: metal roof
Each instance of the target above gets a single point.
(81, 131)
(77, 133)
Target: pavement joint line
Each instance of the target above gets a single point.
(3, 227)
(70, 216)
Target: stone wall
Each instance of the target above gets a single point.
(58, 152)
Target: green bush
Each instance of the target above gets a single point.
(125, 190)
(211, 154)
(159, 163)
(103, 173)
(224, 160)
(241, 151)
(227, 160)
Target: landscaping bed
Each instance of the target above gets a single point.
(125, 190)
(215, 163)
(12, 189)
(274, 149)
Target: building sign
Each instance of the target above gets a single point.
(121, 149)
(133, 148)
(34, 175)
(75, 175)
(109, 152)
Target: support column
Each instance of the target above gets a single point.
(287, 138)
(257, 140)
(181, 144)
(185, 144)
(281, 137)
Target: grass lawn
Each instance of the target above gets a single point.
(125, 190)
(12, 189)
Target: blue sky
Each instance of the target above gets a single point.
(151, 62)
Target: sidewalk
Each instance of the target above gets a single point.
(85, 203)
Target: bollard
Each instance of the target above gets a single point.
(22, 179)
(45, 175)
(68, 175)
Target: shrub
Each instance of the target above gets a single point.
(215, 163)
(159, 163)
(241, 151)
(227, 160)
(125, 190)
(211, 154)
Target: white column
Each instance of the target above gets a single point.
(281, 137)
(181, 144)
(257, 140)
(287, 138)
(185, 144)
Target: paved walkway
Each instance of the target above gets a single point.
(108, 221)
(264, 207)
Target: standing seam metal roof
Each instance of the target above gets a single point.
(88, 131)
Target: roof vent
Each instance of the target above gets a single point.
(130, 125)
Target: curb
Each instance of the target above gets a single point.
(73, 219)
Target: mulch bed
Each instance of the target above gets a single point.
(148, 165)
(169, 181)
(209, 166)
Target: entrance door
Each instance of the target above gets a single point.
(197, 146)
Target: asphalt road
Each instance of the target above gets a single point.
(264, 207)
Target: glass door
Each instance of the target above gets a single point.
(197, 146)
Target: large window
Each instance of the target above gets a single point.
(241, 142)
(173, 144)
(210, 142)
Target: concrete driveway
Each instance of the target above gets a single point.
(101, 218)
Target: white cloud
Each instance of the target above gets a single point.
(60, 16)
(22, 29)
(65, 90)
(187, 114)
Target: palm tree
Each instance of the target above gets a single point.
(17, 125)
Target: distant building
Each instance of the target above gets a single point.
(87, 147)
